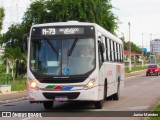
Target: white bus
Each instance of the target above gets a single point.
(73, 61)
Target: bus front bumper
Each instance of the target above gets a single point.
(75, 95)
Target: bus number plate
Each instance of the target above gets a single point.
(61, 98)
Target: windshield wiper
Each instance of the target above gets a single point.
(51, 45)
(72, 47)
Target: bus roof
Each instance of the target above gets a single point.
(76, 23)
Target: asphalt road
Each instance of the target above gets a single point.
(139, 94)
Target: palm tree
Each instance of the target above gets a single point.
(13, 54)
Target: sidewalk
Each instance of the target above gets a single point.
(13, 97)
(19, 96)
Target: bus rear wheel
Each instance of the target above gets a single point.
(48, 105)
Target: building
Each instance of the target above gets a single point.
(134, 56)
(155, 46)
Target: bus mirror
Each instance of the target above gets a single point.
(25, 42)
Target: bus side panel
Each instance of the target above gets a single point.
(101, 79)
(113, 73)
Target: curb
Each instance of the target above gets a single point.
(134, 76)
(13, 92)
(136, 71)
(13, 100)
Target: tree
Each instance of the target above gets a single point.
(13, 54)
(1, 17)
(98, 11)
(13, 37)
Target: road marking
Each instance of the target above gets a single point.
(138, 107)
(28, 118)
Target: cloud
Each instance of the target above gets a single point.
(144, 17)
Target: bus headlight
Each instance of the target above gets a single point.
(33, 85)
(90, 84)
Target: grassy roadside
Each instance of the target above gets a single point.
(18, 85)
(156, 108)
(137, 68)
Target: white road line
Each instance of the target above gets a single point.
(28, 118)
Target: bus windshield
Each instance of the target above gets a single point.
(62, 56)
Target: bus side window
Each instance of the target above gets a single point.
(122, 54)
(118, 53)
(106, 41)
(100, 54)
(110, 50)
(108, 47)
(115, 52)
(120, 49)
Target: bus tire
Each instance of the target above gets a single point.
(99, 104)
(105, 90)
(48, 105)
(116, 95)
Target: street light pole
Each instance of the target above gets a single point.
(130, 67)
(142, 50)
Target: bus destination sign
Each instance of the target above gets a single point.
(62, 31)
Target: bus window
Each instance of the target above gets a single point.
(108, 46)
(118, 53)
(106, 41)
(120, 49)
(111, 57)
(112, 51)
(115, 52)
(100, 54)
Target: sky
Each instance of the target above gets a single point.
(14, 11)
(143, 16)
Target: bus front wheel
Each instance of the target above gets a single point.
(116, 95)
(48, 104)
(99, 104)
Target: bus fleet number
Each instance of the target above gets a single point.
(48, 31)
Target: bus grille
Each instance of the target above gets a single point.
(61, 80)
(72, 95)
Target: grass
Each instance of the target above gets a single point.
(157, 109)
(18, 85)
(137, 68)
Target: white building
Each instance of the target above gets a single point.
(155, 46)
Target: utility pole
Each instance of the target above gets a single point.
(142, 51)
(151, 49)
(130, 67)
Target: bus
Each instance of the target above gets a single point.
(73, 61)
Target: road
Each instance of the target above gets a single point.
(139, 94)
